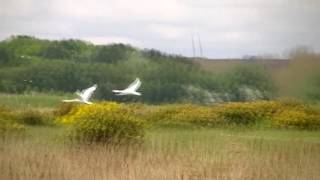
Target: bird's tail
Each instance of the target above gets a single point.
(137, 93)
(87, 102)
(116, 91)
(71, 100)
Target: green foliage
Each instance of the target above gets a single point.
(250, 82)
(30, 117)
(69, 65)
(312, 88)
(105, 122)
(6, 55)
(65, 49)
(32, 100)
(112, 53)
(24, 45)
(159, 56)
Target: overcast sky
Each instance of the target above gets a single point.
(226, 28)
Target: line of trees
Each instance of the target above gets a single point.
(31, 64)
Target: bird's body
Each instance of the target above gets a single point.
(84, 95)
(130, 90)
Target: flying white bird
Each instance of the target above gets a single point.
(131, 89)
(84, 95)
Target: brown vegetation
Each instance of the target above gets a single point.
(167, 155)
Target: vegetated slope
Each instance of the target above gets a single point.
(31, 64)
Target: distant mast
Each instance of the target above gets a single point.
(200, 46)
(193, 46)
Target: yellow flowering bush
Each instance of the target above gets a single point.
(107, 120)
(263, 109)
(237, 113)
(282, 113)
(296, 118)
(246, 113)
(64, 108)
(104, 122)
(8, 122)
(183, 115)
(293, 113)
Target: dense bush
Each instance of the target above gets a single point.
(249, 82)
(283, 113)
(183, 115)
(105, 122)
(5, 55)
(297, 119)
(64, 108)
(237, 113)
(296, 114)
(246, 113)
(112, 53)
(8, 123)
(31, 117)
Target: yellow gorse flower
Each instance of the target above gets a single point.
(103, 122)
(280, 113)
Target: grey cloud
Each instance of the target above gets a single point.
(227, 28)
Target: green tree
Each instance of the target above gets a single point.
(6, 55)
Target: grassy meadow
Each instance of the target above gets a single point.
(44, 152)
(166, 154)
(198, 119)
(31, 100)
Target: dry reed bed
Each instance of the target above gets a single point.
(163, 156)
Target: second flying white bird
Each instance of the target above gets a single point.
(131, 89)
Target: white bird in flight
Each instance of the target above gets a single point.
(84, 95)
(131, 89)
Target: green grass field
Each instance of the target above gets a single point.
(32, 100)
(44, 152)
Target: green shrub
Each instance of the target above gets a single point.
(237, 113)
(104, 122)
(30, 117)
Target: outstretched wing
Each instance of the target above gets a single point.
(87, 93)
(79, 93)
(135, 85)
